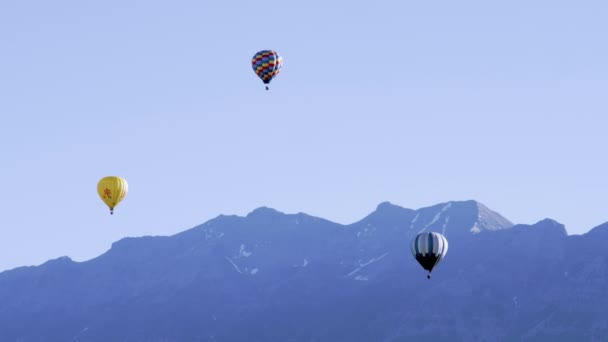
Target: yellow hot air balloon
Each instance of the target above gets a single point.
(112, 190)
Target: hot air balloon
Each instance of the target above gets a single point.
(429, 249)
(267, 65)
(112, 190)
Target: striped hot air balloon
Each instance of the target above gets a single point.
(429, 249)
(267, 65)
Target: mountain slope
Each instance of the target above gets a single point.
(270, 276)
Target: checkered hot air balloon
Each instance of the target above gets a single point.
(266, 64)
(429, 249)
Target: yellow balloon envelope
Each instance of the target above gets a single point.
(112, 190)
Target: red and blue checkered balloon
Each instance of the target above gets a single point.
(267, 65)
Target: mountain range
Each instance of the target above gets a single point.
(275, 277)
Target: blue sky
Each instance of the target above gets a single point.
(412, 102)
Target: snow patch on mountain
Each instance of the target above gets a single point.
(243, 252)
(414, 221)
(365, 264)
(475, 229)
(489, 220)
(437, 217)
(367, 231)
(236, 268)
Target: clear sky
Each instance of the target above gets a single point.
(413, 102)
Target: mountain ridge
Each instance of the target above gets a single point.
(271, 276)
(382, 208)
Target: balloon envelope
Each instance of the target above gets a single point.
(112, 190)
(267, 64)
(429, 249)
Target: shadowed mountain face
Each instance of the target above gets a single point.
(275, 277)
